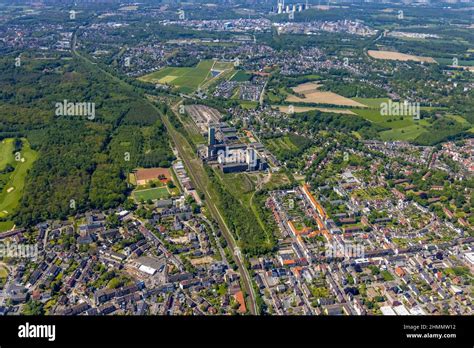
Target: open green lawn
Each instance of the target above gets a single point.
(152, 193)
(459, 119)
(6, 152)
(373, 103)
(404, 133)
(6, 226)
(12, 192)
(248, 105)
(401, 128)
(386, 275)
(187, 79)
(241, 76)
(373, 115)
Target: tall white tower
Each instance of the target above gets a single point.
(281, 4)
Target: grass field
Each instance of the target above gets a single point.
(406, 133)
(241, 76)
(459, 119)
(449, 61)
(6, 225)
(12, 192)
(6, 152)
(373, 103)
(152, 193)
(189, 79)
(401, 128)
(248, 104)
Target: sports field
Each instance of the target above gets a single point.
(189, 79)
(14, 181)
(152, 193)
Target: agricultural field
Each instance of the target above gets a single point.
(312, 95)
(12, 181)
(403, 128)
(398, 127)
(298, 109)
(305, 88)
(390, 55)
(188, 80)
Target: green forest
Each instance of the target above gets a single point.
(81, 163)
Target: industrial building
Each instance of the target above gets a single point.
(281, 8)
(231, 155)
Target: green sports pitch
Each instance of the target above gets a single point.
(152, 193)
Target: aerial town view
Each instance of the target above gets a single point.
(236, 158)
